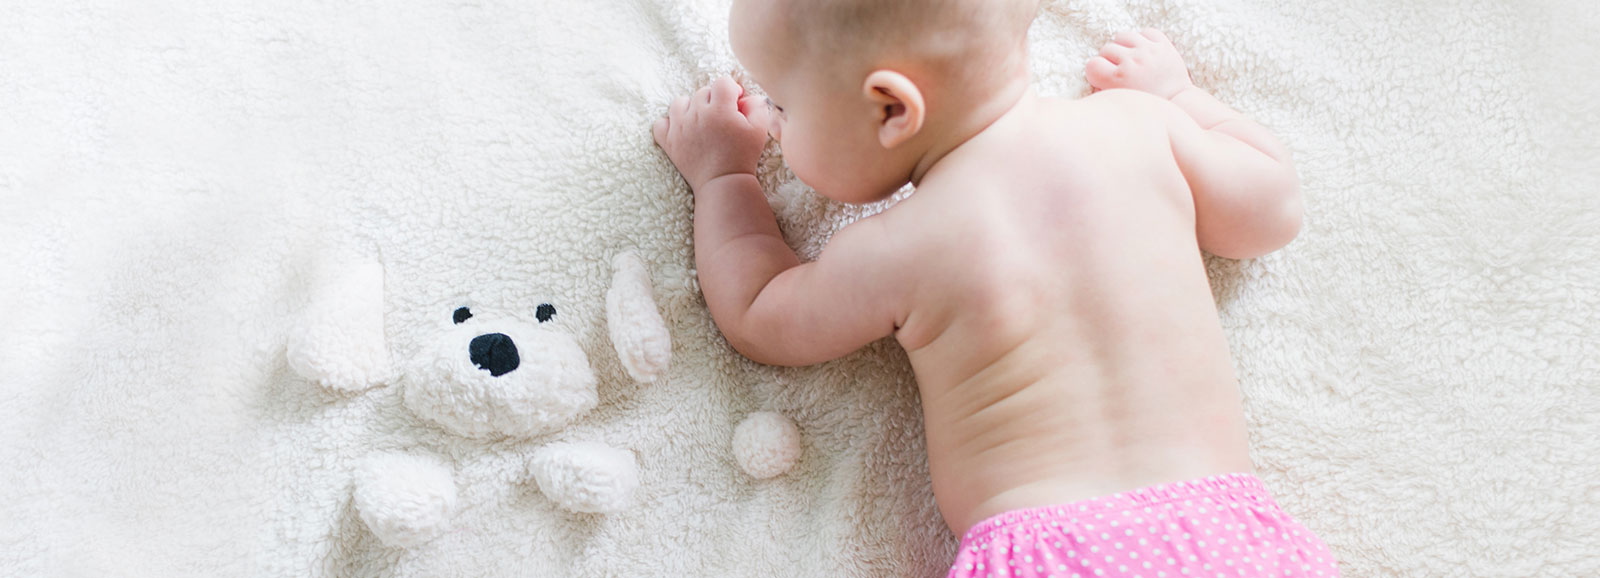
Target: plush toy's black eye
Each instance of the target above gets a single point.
(545, 312)
(462, 314)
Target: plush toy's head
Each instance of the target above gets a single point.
(501, 377)
(487, 372)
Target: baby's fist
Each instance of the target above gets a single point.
(717, 131)
(1145, 61)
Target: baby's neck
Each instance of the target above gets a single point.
(1012, 97)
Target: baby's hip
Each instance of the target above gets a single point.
(1225, 525)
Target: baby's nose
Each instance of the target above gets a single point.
(495, 353)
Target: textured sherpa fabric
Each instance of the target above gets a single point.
(1419, 369)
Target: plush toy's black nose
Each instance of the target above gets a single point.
(494, 352)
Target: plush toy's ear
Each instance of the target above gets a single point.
(338, 340)
(637, 331)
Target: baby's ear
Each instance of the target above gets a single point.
(901, 110)
(637, 330)
(338, 341)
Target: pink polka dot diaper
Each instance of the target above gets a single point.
(1223, 526)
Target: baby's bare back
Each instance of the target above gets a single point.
(1062, 329)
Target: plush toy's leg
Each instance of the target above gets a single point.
(406, 500)
(586, 476)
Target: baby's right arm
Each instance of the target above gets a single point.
(1246, 193)
(771, 307)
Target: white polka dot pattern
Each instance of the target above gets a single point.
(1223, 526)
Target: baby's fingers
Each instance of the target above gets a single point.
(1130, 38)
(1113, 52)
(725, 92)
(659, 130)
(750, 103)
(754, 109)
(1101, 73)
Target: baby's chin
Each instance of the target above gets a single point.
(859, 191)
(856, 196)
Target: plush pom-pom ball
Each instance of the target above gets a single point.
(766, 444)
(406, 500)
(586, 476)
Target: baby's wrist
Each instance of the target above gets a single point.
(724, 180)
(1188, 87)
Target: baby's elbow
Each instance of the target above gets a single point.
(1291, 206)
(1275, 222)
(769, 355)
(733, 332)
(1290, 218)
(751, 350)
(758, 346)
(1282, 220)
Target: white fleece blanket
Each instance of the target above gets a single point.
(1420, 368)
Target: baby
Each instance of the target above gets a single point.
(1045, 279)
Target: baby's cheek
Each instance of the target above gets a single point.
(796, 159)
(819, 161)
(789, 144)
(801, 160)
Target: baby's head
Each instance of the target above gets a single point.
(866, 89)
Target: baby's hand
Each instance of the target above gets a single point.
(1145, 61)
(716, 132)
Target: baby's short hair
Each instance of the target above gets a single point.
(956, 35)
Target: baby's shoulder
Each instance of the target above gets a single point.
(1121, 105)
(1125, 99)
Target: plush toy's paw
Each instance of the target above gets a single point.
(501, 377)
(586, 476)
(405, 500)
(338, 342)
(637, 331)
(766, 444)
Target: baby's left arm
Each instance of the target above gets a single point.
(1246, 193)
(770, 307)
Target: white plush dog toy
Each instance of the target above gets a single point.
(483, 379)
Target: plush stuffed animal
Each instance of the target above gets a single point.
(499, 378)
